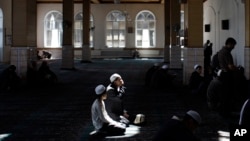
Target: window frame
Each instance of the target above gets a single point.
(115, 30)
(58, 26)
(151, 29)
(91, 31)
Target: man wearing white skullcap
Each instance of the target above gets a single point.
(197, 82)
(114, 102)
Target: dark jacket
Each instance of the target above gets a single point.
(215, 94)
(225, 58)
(174, 130)
(195, 80)
(114, 103)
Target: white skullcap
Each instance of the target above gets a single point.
(114, 76)
(219, 72)
(164, 66)
(195, 66)
(100, 89)
(196, 116)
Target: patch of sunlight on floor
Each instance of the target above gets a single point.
(4, 136)
(131, 131)
(223, 136)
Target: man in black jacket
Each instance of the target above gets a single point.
(114, 102)
(177, 129)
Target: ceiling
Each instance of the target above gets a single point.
(113, 1)
(129, 1)
(109, 1)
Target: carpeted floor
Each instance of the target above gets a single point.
(62, 112)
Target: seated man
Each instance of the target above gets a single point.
(197, 82)
(102, 122)
(162, 78)
(150, 72)
(180, 130)
(45, 75)
(114, 102)
(9, 79)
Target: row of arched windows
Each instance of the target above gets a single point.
(116, 29)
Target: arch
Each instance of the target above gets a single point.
(53, 29)
(145, 29)
(116, 29)
(230, 10)
(78, 30)
(1, 35)
(210, 18)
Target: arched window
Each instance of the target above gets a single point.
(53, 29)
(115, 29)
(145, 29)
(78, 30)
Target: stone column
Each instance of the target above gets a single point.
(86, 52)
(32, 30)
(167, 9)
(67, 47)
(193, 50)
(24, 42)
(247, 38)
(175, 55)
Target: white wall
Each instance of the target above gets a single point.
(5, 6)
(234, 11)
(42, 10)
(99, 12)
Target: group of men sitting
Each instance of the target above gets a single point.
(109, 116)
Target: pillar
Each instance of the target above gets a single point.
(193, 50)
(86, 52)
(247, 39)
(67, 47)
(24, 42)
(175, 48)
(167, 9)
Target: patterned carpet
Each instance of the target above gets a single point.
(62, 112)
